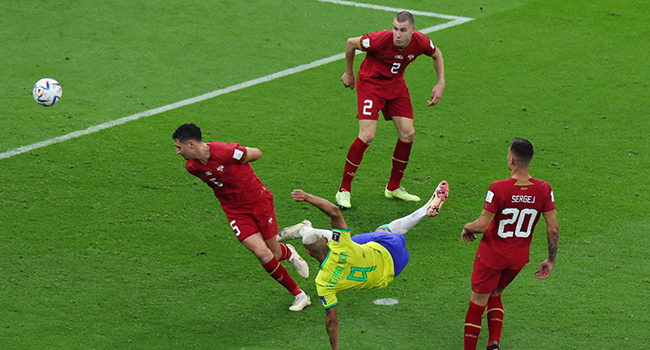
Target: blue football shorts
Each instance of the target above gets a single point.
(394, 243)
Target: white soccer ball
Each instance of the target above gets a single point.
(47, 92)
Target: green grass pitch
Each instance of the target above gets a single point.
(106, 242)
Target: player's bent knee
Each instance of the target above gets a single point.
(264, 255)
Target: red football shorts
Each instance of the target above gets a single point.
(393, 100)
(486, 279)
(250, 219)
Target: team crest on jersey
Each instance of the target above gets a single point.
(399, 57)
(220, 168)
(411, 57)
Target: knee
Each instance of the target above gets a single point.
(264, 255)
(407, 135)
(367, 136)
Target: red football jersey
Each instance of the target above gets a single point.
(384, 62)
(233, 183)
(515, 208)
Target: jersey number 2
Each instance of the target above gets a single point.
(519, 217)
(367, 105)
(395, 68)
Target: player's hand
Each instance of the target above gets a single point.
(436, 94)
(298, 195)
(544, 269)
(348, 80)
(467, 236)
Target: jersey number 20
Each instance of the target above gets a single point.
(519, 217)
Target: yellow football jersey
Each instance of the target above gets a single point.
(350, 266)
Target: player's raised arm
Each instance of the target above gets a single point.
(351, 46)
(553, 236)
(331, 210)
(439, 88)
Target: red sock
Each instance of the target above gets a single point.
(286, 252)
(355, 155)
(495, 318)
(473, 325)
(280, 274)
(400, 161)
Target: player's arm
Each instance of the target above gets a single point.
(470, 229)
(553, 237)
(351, 46)
(331, 210)
(439, 66)
(252, 154)
(332, 326)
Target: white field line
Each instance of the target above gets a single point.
(455, 20)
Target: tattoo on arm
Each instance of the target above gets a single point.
(552, 247)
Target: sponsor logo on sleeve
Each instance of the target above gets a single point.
(365, 43)
(552, 197)
(238, 154)
(489, 197)
(336, 236)
(431, 43)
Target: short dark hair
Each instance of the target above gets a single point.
(405, 16)
(522, 149)
(187, 132)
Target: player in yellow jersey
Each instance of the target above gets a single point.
(363, 261)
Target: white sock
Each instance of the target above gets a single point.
(402, 225)
(326, 233)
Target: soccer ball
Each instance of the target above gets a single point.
(47, 92)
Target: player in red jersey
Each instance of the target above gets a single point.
(248, 205)
(512, 209)
(381, 87)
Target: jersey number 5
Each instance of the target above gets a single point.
(235, 228)
(518, 217)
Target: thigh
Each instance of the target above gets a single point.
(243, 224)
(507, 276)
(398, 104)
(484, 278)
(264, 215)
(369, 102)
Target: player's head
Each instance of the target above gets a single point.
(403, 27)
(315, 244)
(186, 139)
(520, 153)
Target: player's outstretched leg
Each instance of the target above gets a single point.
(298, 262)
(402, 225)
(439, 195)
(292, 232)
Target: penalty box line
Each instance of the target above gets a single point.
(454, 21)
